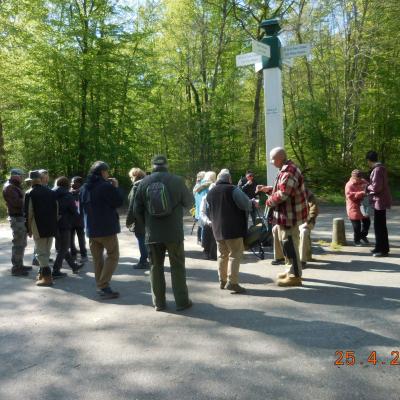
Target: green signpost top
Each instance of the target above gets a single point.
(272, 29)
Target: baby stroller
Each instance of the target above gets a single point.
(259, 234)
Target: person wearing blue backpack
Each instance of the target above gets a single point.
(159, 203)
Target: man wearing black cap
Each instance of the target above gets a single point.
(41, 218)
(159, 203)
(99, 199)
(14, 198)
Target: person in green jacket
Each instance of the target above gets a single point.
(159, 203)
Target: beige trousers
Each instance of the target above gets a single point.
(230, 254)
(104, 268)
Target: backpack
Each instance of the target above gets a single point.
(158, 202)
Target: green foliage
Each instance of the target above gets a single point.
(106, 79)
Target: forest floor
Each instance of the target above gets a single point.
(271, 343)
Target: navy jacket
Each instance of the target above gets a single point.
(99, 201)
(67, 210)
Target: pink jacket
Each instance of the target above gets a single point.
(355, 192)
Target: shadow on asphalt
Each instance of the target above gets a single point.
(355, 266)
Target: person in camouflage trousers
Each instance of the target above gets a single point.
(14, 198)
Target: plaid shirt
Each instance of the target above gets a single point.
(289, 198)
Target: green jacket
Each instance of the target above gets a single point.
(167, 229)
(138, 226)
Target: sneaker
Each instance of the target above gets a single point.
(374, 251)
(222, 284)
(58, 274)
(235, 288)
(160, 307)
(107, 293)
(141, 265)
(279, 261)
(364, 240)
(358, 244)
(188, 305)
(290, 281)
(84, 259)
(76, 267)
(19, 271)
(379, 254)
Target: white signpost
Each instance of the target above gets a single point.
(273, 101)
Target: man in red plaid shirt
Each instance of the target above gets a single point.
(288, 200)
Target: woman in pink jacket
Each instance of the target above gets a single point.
(355, 193)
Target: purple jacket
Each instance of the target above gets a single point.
(379, 188)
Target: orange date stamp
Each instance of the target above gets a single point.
(348, 358)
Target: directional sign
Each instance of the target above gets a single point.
(260, 48)
(296, 51)
(247, 59)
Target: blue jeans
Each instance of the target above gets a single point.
(144, 254)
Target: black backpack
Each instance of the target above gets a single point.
(158, 201)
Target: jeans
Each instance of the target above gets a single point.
(144, 254)
(19, 240)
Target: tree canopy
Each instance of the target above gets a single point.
(82, 80)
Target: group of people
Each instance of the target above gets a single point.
(367, 194)
(155, 215)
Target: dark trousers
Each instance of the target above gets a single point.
(360, 228)
(176, 254)
(144, 254)
(381, 232)
(63, 242)
(80, 233)
(208, 242)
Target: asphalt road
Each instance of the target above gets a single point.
(272, 343)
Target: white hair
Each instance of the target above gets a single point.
(277, 150)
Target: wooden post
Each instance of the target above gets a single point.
(338, 232)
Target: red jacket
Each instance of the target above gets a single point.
(355, 192)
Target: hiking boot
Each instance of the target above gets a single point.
(222, 284)
(107, 293)
(364, 240)
(57, 274)
(141, 265)
(19, 271)
(76, 267)
(279, 261)
(45, 278)
(289, 281)
(283, 275)
(188, 305)
(235, 288)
